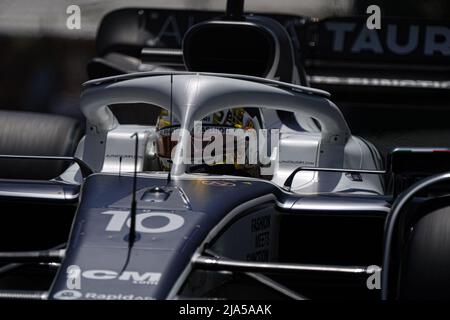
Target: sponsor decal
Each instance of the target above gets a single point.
(380, 82)
(146, 278)
(74, 295)
(260, 230)
(356, 177)
(109, 296)
(402, 38)
(216, 183)
(123, 156)
(68, 295)
(135, 277)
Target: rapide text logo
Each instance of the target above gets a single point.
(75, 295)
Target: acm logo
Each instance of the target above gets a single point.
(74, 276)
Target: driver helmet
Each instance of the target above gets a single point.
(218, 122)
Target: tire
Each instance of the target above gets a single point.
(426, 268)
(28, 133)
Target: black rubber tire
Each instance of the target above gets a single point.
(28, 133)
(426, 268)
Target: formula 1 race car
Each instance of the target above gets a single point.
(249, 184)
